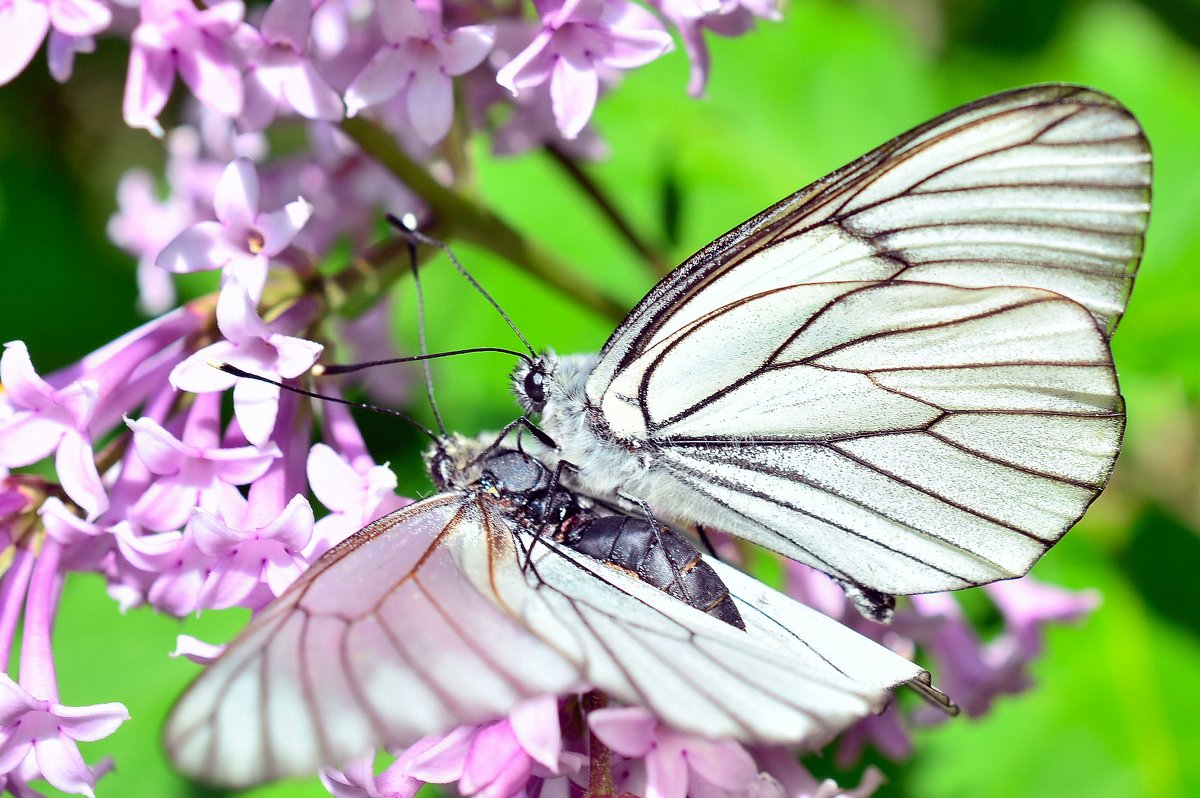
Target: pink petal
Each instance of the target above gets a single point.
(76, 469)
(287, 22)
(79, 400)
(666, 773)
(379, 81)
(496, 764)
(281, 570)
(279, 227)
(430, 104)
(196, 373)
(574, 87)
(147, 87)
(440, 759)
(164, 506)
(261, 104)
(294, 526)
(633, 48)
(308, 93)
(231, 581)
(222, 18)
(212, 78)
(294, 356)
(88, 724)
(250, 271)
(63, 525)
(201, 247)
(21, 382)
(13, 749)
(61, 765)
(14, 700)
(256, 405)
(721, 762)
(629, 731)
(237, 317)
(465, 48)
(61, 50)
(161, 451)
(244, 464)
(237, 195)
(535, 723)
(399, 20)
(150, 553)
(333, 481)
(212, 536)
(27, 438)
(79, 17)
(191, 648)
(531, 67)
(23, 26)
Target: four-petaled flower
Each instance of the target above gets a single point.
(24, 24)
(45, 732)
(243, 239)
(177, 36)
(577, 38)
(418, 63)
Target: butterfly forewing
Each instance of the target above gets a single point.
(899, 375)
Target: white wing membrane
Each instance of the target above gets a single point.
(429, 619)
(901, 374)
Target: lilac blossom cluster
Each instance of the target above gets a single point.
(183, 507)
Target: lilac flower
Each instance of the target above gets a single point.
(245, 560)
(577, 38)
(37, 733)
(45, 420)
(195, 471)
(142, 226)
(252, 346)
(196, 650)
(676, 763)
(176, 36)
(417, 63)
(281, 77)
(25, 23)
(42, 733)
(243, 239)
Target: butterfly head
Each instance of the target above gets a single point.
(533, 381)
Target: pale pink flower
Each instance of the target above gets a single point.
(243, 240)
(251, 345)
(177, 36)
(142, 226)
(43, 733)
(354, 497)
(676, 763)
(25, 23)
(281, 77)
(42, 420)
(577, 38)
(417, 63)
(244, 561)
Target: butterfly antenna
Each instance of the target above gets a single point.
(421, 342)
(229, 368)
(322, 370)
(412, 233)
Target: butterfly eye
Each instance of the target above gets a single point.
(535, 388)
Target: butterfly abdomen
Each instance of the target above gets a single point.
(661, 558)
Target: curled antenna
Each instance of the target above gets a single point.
(321, 370)
(407, 226)
(229, 368)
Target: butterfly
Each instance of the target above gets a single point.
(452, 610)
(899, 375)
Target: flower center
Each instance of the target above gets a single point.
(255, 242)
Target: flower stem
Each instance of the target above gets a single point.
(655, 259)
(456, 216)
(600, 767)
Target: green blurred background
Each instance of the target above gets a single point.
(1116, 708)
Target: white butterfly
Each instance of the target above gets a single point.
(446, 613)
(899, 375)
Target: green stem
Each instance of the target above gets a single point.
(458, 217)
